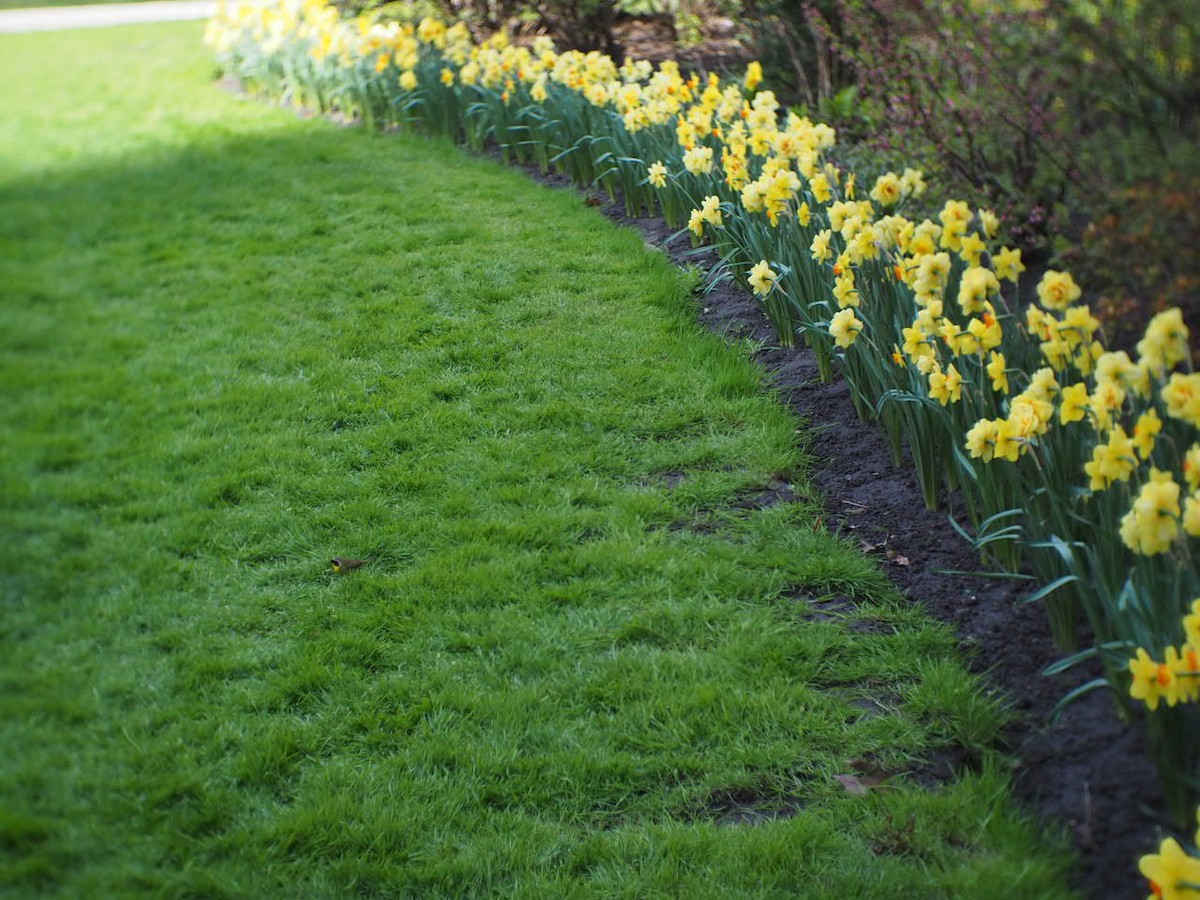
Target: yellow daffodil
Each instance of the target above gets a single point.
(953, 232)
(1008, 264)
(955, 211)
(888, 190)
(1116, 365)
(1191, 519)
(946, 387)
(1112, 461)
(1191, 624)
(917, 342)
(986, 330)
(1191, 467)
(1075, 404)
(998, 372)
(754, 75)
(1057, 290)
(657, 174)
(1007, 441)
(1152, 682)
(1144, 432)
(1173, 875)
(819, 186)
(819, 249)
(981, 440)
(990, 222)
(844, 291)
(1184, 664)
(1182, 394)
(1043, 385)
(1165, 343)
(845, 327)
(913, 182)
(1152, 524)
(977, 286)
(710, 211)
(698, 160)
(762, 279)
(971, 249)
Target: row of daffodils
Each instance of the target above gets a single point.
(1077, 462)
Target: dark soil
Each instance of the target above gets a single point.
(1087, 771)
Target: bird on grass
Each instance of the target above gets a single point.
(343, 564)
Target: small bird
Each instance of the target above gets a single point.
(343, 564)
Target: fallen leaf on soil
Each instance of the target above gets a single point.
(898, 558)
(852, 785)
(869, 776)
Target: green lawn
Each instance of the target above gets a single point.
(237, 343)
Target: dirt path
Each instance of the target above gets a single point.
(58, 18)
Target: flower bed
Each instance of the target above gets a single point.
(1080, 463)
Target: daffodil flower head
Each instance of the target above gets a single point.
(1075, 403)
(986, 330)
(754, 75)
(981, 439)
(1078, 325)
(1115, 365)
(977, 287)
(918, 343)
(1165, 342)
(845, 327)
(1058, 290)
(1150, 680)
(946, 387)
(844, 291)
(925, 238)
(1171, 871)
(1009, 443)
(1182, 395)
(955, 211)
(754, 196)
(1111, 461)
(998, 372)
(1190, 520)
(1042, 384)
(657, 174)
(913, 182)
(1008, 264)
(820, 249)
(710, 210)
(990, 222)
(819, 186)
(762, 278)
(1184, 663)
(698, 160)
(888, 190)
(1144, 432)
(953, 232)
(1191, 467)
(971, 249)
(1152, 524)
(1191, 624)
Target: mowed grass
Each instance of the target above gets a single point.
(583, 660)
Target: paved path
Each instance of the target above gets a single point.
(53, 18)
